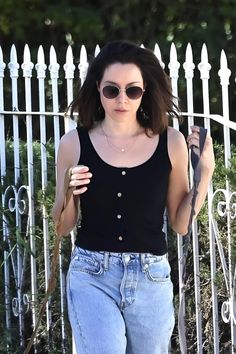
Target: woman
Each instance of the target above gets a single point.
(127, 166)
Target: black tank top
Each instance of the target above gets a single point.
(122, 210)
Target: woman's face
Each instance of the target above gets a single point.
(123, 77)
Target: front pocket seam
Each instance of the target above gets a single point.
(81, 266)
(157, 279)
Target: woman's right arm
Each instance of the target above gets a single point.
(65, 210)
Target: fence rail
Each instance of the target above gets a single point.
(27, 231)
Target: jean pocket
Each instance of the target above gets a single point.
(86, 264)
(158, 271)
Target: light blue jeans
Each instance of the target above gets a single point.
(120, 303)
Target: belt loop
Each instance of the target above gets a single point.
(143, 261)
(106, 260)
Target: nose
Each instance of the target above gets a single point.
(122, 95)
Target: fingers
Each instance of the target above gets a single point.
(80, 178)
(207, 155)
(193, 138)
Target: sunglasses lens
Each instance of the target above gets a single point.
(110, 91)
(134, 92)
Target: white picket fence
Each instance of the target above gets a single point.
(22, 303)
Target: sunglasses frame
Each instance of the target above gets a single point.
(119, 90)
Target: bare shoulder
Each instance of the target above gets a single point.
(69, 136)
(70, 141)
(177, 146)
(69, 147)
(175, 136)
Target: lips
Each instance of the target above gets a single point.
(121, 110)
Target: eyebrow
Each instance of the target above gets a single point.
(115, 83)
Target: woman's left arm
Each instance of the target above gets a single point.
(179, 196)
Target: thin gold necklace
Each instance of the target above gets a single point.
(117, 148)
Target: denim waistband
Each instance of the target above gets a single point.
(117, 257)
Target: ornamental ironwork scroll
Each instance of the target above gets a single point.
(224, 207)
(15, 233)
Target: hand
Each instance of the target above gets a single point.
(207, 159)
(80, 177)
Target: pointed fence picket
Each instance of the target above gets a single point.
(49, 118)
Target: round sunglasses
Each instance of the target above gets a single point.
(132, 92)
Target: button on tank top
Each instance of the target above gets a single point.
(123, 208)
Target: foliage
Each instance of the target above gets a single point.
(19, 239)
(231, 172)
(71, 21)
(219, 179)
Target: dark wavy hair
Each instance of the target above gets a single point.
(157, 101)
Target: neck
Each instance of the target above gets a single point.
(121, 129)
(120, 137)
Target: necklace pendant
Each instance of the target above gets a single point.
(115, 147)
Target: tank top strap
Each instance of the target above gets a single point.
(85, 143)
(162, 145)
(82, 133)
(86, 148)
